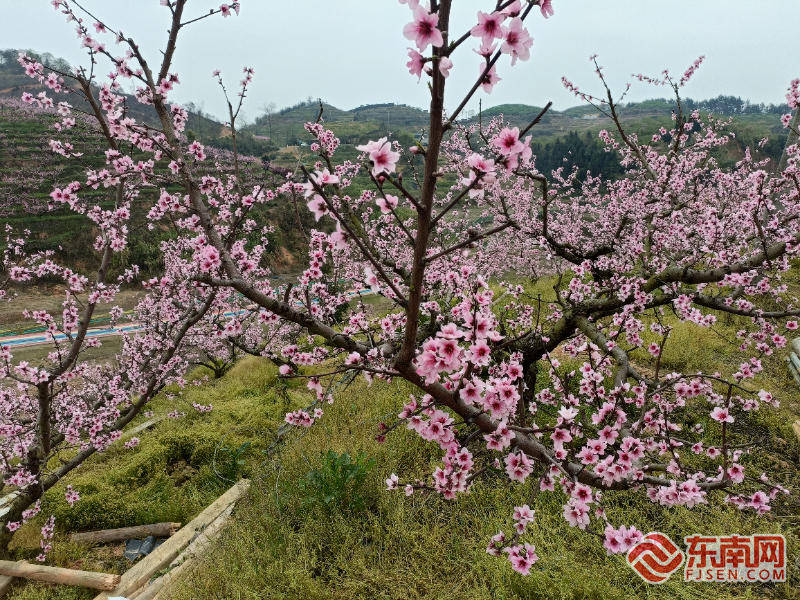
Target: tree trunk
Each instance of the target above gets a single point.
(14, 514)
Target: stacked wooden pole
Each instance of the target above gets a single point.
(793, 360)
(154, 590)
(126, 533)
(137, 579)
(176, 553)
(87, 579)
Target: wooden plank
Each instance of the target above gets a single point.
(87, 579)
(6, 581)
(138, 575)
(156, 589)
(126, 533)
(5, 584)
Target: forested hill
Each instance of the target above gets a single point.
(570, 134)
(28, 170)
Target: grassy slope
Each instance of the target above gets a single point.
(419, 547)
(426, 547)
(169, 477)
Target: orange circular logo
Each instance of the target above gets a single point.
(655, 558)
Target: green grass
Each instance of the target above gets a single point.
(282, 543)
(427, 547)
(170, 476)
(281, 546)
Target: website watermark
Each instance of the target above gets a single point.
(759, 558)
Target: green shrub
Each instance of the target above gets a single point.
(338, 483)
(228, 462)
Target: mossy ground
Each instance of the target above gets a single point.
(279, 546)
(179, 468)
(427, 547)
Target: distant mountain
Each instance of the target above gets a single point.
(276, 129)
(566, 138)
(285, 127)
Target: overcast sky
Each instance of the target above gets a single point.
(352, 52)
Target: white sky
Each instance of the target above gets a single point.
(352, 52)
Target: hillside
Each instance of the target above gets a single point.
(13, 82)
(28, 170)
(285, 127)
(562, 138)
(275, 129)
(570, 137)
(305, 531)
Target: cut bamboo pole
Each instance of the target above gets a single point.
(155, 589)
(126, 533)
(5, 584)
(5, 502)
(795, 360)
(8, 498)
(6, 581)
(138, 575)
(87, 579)
(792, 370)
(199, 543)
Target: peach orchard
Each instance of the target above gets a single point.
(453, 233)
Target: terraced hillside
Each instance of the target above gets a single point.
(13, 82)
(29, 170)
